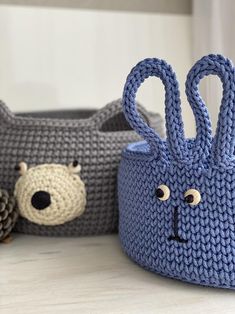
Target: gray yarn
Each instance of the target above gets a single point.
(93, 141)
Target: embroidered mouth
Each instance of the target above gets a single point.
(177, 239)
(175, 236)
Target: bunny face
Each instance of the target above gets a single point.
(179, 221)
(177, 197)
(50, 194)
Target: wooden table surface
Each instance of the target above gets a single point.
(92, 275)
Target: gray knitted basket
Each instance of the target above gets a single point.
(94, 138)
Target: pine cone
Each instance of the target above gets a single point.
(8, 213)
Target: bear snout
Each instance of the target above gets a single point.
(41, 200)
(50, 194)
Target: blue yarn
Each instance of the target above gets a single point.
(173, 237)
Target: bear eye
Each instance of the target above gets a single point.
(163, 192)
(75, 163)
(192, 197)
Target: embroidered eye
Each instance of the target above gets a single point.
(192, 197)
(163, 192)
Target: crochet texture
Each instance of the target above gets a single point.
(95, 141)
(50, 194)
(177, 197)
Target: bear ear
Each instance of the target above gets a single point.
(22, 168)
(74, 167)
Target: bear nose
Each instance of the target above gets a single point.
(41, 200)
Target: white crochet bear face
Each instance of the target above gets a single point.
(50, 194)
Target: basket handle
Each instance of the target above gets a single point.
(174, 124)
(223, 144)
(111, 110)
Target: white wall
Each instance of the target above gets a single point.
(64, 58)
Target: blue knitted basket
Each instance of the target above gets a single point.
(177, 197)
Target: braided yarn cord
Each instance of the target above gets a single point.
(177, 208)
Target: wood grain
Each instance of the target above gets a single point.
(92, 275)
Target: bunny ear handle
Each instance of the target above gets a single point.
(222, 147)
(174, 124)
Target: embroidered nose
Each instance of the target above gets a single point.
(175, 236)
(40, 200)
